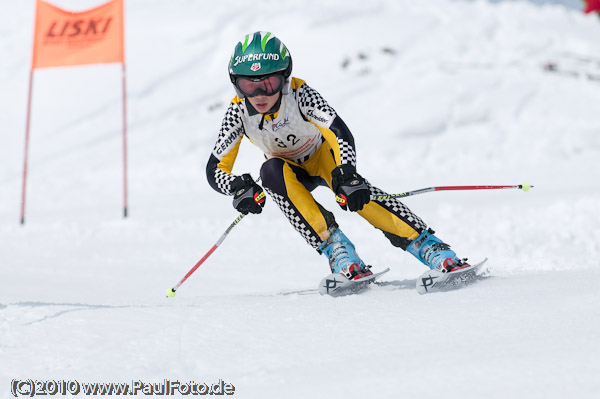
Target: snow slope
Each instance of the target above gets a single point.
(436, 93)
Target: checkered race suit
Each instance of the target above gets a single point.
(303, 141)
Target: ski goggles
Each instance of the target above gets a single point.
(266, 85)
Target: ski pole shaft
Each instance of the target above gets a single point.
(171, 291)
(525, 187)
(214, 247)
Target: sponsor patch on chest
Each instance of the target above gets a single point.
(281, 124)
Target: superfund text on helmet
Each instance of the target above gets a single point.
(259, 54)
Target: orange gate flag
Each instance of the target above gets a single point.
(65, 38)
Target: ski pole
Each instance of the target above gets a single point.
(171, 291)
(525, 187)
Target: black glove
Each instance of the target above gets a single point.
(247, 195)
(351, 190)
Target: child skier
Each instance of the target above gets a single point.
(306, 144)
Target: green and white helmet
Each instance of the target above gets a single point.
(260, 53)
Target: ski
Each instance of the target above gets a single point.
(337, 285)
(436, 281)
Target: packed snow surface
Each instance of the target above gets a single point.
(435, 92)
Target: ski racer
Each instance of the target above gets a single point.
(306, 145)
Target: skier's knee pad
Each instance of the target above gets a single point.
(271, 174)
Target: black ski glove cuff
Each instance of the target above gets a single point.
(351, 190)
(248, 197)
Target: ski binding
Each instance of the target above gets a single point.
(337, 285)
(436, 281)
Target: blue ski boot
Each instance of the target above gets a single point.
(434, 253)
(343, 258)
